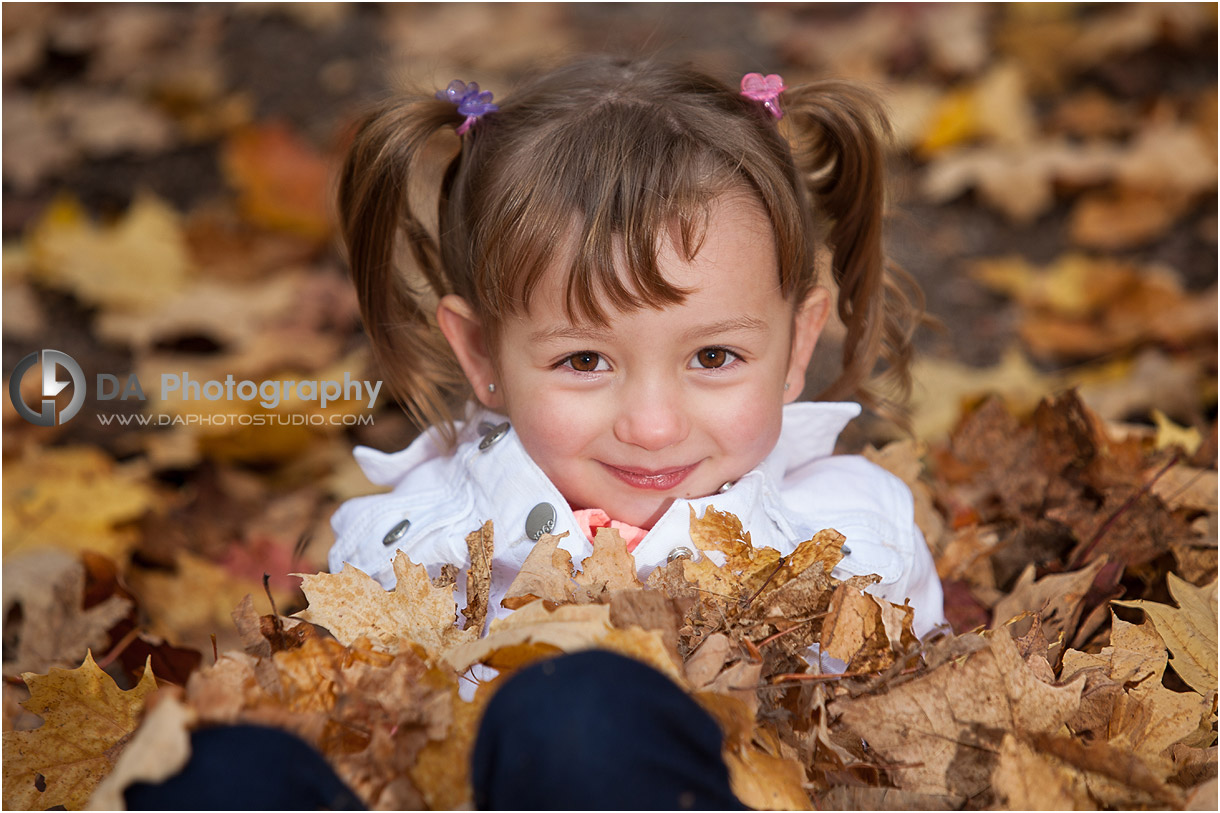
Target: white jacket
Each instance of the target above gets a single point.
(798, 490)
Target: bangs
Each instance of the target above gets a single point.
(597, 203)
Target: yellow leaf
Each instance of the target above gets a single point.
(722, 531)
(133, 265)
(188, 604)
(353, 605)
(952, 122)
(1189, 630)
(86, 721)
(942, 388)
(1169, 434)
(74, 498)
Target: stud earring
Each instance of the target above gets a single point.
(787, 386)
(491, 387)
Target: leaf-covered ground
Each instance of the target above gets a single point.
(167, 174)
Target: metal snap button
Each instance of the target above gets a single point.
(396, 533)
(541, 520)
(725, 487)
(493, 434)
(680, 552)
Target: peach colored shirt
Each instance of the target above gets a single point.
(590, 519)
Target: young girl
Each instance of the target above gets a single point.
(612, 275)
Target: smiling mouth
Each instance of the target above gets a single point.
(662, 480)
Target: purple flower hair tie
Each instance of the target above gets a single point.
(765, 89)
(470, 102)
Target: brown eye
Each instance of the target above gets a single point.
(584, 362)
(712, 357)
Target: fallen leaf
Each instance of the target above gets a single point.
(45, 590)
(135, 264)
(87, 721)
(545, 574)
(610, 566)
(481, 545)
(942, 730)
(1026, 779)
(1055, 598)
(567, 628)
(73, 498)
(352, 605)
(284, 183)
(1189, 630)
(159, 748)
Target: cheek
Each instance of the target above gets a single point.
(552, 427)
(745, 426)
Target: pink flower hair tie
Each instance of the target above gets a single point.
(765, 89)
(470, 102)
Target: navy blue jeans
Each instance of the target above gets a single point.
(587, 731)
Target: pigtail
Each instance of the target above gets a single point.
(839, 144)
(382, 170)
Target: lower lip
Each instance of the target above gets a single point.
(662, 481)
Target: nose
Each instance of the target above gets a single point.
(652, 415)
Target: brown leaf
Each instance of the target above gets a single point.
(45, 589)
(1055, 598)
(545, 574)
(1025, 779)
(610, 567)
(481, 545)
(1189, 630)
(942, 730)
(568, 628)
(87, 721)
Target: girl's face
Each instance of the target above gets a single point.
(662, 403)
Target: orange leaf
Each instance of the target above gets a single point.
(283, 181)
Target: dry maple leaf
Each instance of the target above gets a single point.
(46, 590)
(1056, 598)
(545, 574)
(284, 183)
(73, 498)
(87, 720)
(352, 605)
(941, 731)
(611, 566)
(1189, 630)
(134, 265)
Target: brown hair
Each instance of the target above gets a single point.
(610, 155)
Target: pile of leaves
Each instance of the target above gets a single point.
(1061, 703)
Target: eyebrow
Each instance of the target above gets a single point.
(747, 324)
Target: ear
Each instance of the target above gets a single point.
(464, 332)
(807, 326)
